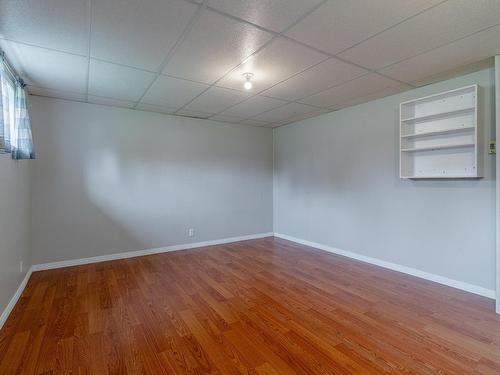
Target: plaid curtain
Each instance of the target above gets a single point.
(15, 127)
(4, 110)
(2, 126)
(23, 140)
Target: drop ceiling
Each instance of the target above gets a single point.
(187, 57)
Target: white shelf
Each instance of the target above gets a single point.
(442, 95)
(440, 147)
(440, 177)
(439, 136)
(431, 116)
(439, 132)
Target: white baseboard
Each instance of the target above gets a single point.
(133, 254)
(6, 312)
(396, 267)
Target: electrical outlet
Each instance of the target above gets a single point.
(191, 232)
(21, 266)
(492, 149)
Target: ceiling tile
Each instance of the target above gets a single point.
(304, 116)
(47, 68)
(110, 102)
(190, 113)
(275, 15)
(57, 24)
(155, 108)
(285, 112)
(225, 118)
(443, 24)
(329, 73)
(356, 88)
(117, 81)
(461, 53)
(216, 99)
(138, 32)
(253, 122)
(442, 38)
(40, 91)
(215, 45)
(391, 90)
(254, 106)
(340, 24)
(172, 92)
(274, 63)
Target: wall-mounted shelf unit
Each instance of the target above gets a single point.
(439, 135)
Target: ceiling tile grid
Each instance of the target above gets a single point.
(216, 99)
(340, 24)
(446, 23)
(155, 108)
(226, 118)
(275, 63)
(172, 92)
(46, 68)
(57, 24)
(74, 96)
(380, 93)
(274, 15)
(110, 102)
(463, 52)
(138, 33)
(117, 81)
(191, 113)
(215, 45)
(255, 123)
(253, 106)
(327, 74)
(359, 87)
(285, 112)
(187, 57)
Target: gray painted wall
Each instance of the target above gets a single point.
(337, 183)
(111, 180)
(14, 225)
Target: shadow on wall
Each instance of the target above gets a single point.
(113, 186)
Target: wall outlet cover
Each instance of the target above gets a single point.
(492, 149)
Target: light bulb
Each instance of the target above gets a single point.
(248, 84)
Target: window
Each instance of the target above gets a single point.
(8, 95)
(15, 126)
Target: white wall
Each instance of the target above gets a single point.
(336, 183)
(497, 170)
(111, 180)
(14, 225)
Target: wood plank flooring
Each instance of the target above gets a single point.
(261, 307)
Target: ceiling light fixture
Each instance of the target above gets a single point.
(248, 84)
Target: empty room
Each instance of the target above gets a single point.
(249, 187)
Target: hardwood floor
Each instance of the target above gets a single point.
(256, 307)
